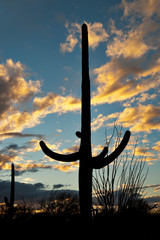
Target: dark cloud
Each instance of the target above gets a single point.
(22, 190)
(39, 185)
(8, 150)
(153, 199)
(9, 154)
(57, 186)
(21, 135)
(28, 191)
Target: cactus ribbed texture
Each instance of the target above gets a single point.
(84, 155)
(10, 204)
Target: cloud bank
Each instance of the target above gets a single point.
(131, 70)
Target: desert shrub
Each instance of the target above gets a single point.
(118, 191)
(64, 204)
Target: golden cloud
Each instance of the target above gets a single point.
(30, 165)
(142, 118)
(125, 44)
(143, 151)
(100, 120)
(15, 120)
(53, 103)
(13, 86)
(144, 8)
(7, 159)
(74, 148)
(68, 167)
(141, 35)
(70, 44)
(15, 90)
(96, 149)
(157, 146)
(135, 42)
(96, 34)
(122, 78)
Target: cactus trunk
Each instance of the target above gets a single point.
(12, 189)
(10, 205)
(85, 169)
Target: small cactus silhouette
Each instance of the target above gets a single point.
(84, 155)
(10, 205)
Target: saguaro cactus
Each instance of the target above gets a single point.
(84, 155)
(10, 204)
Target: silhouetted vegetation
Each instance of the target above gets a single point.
(63, 204)
(129, 216)
(124, 192)
(61, 213)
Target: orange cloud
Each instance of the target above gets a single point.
(140, 36)
(142, 118)
(125, 44)
(74, 148)
(122, 78)
(144, 8)
(70, 44)
(30, 165)
(15, 90)
(13, 86)
(143, 151)
(101, 120)
(96, 34)
(157, 146)
(53, 103)
(15, 120)
(68, 167)
(136, 41)
(96, 149)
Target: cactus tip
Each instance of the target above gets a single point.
(41, 143)
(127, 135)
(84, 27)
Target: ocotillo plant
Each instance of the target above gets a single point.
(10, 204)
(84, 155)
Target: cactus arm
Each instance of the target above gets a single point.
(98, 163)
(78, 134)
(101, 155)
(60, 157)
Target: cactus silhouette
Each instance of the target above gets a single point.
(10, 205)
(84, 155)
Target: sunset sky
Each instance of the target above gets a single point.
(40, 85)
